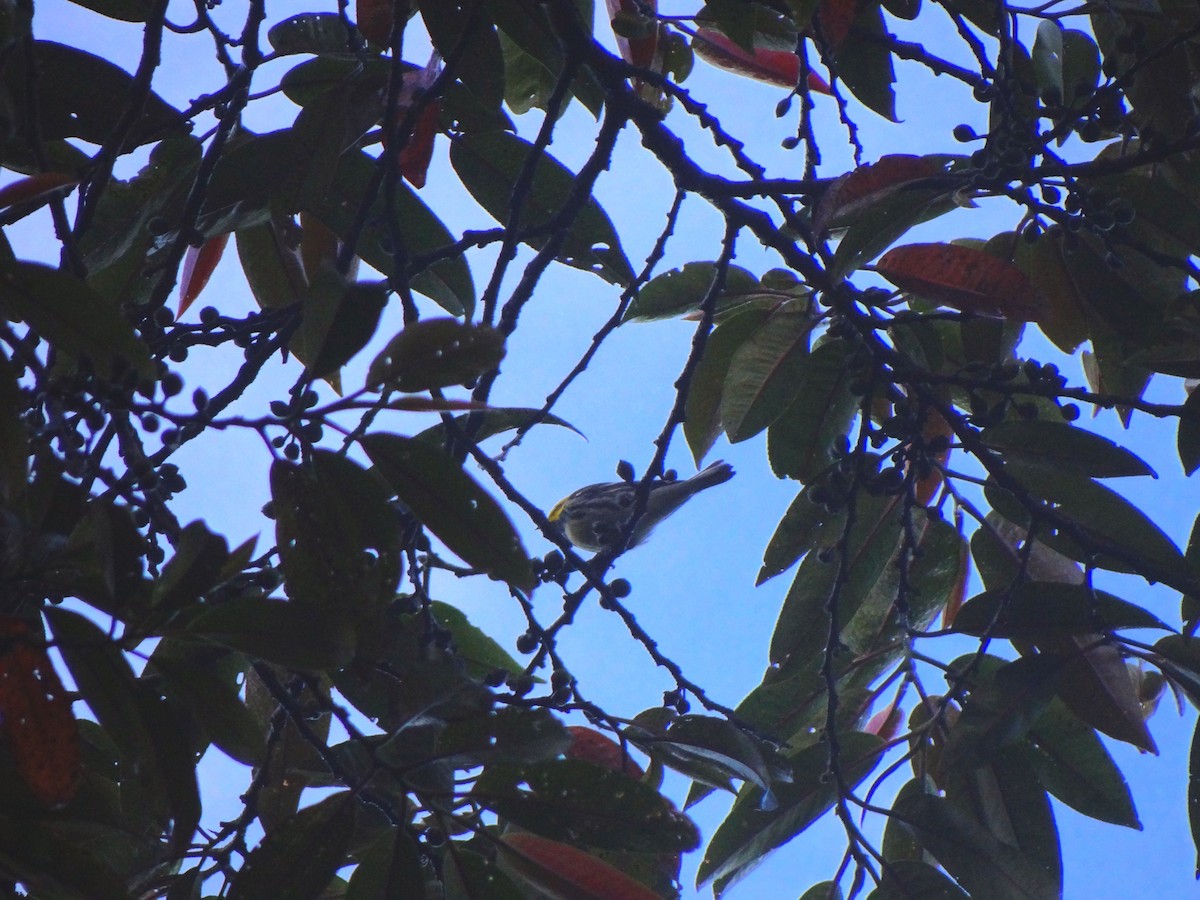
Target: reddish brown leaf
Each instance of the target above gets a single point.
(964, 278)
(198, 268)
(318, 244)
(959, 594)
(637, 51)
(868, 183)
(33, 188)
(596, 747)
(935, 427)
(36, 718)
(375, 20)
(564, 872)
(886, 723)
(772, 66)
(834, 18)
(415, 157)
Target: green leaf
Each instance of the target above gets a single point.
(198, 563)
(191, 674)
(288, 634)
(804, 441)
(1065, 321)
(1075, 766)
(391, 867)
(14, 441)
(80, 96)
(765, 373)
(1055, 446)
(1188, 439)
(70, 315)
(468, 876)
(452, 505)
(1009, 802)
(796, 534)
(988, 868)
(339, 538)
(1081, 64)
(106, 682)
(436, 353)
(1000, 709)
(908, 878)
(751, 831)
(124, 10)
(870, 626)
(493, 422)
(1097, 513)
(53, 864)
(880, 222)
(1048, 57)
(310, 33)
(680, 291)
(1032, 610)
(534, 59)
(273, 269)
(597, 806)
(481, 653)
(702, 422)
(490, 165)
(340, 317)
(714, 744)
(866, 65)
(300, 858)
(247, 177)
(446, 281)
(463, 32)
(1193, 793)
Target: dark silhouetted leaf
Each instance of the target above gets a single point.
(597, 806)
(750, 831)
(1057, 445)
(490, 164)
(1031, 610)
(300, 858)
(452, 505)
(70, 315)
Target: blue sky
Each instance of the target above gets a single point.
(693, 584)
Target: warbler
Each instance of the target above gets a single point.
(595, 517)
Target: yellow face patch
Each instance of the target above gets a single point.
(556, 513)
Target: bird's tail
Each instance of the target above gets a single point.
(717, 473)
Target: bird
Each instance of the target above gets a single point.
(596, 517)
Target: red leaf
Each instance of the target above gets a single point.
(593, 746)
(886, 723)
(36, 718)
(198, 268)
(959, 593)
(964, 278)
(34, 188)
(635, 51)
(415, 157)
(564, 872)
(375, 20)
(772, 66)
(935, 426)
(868, 183)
